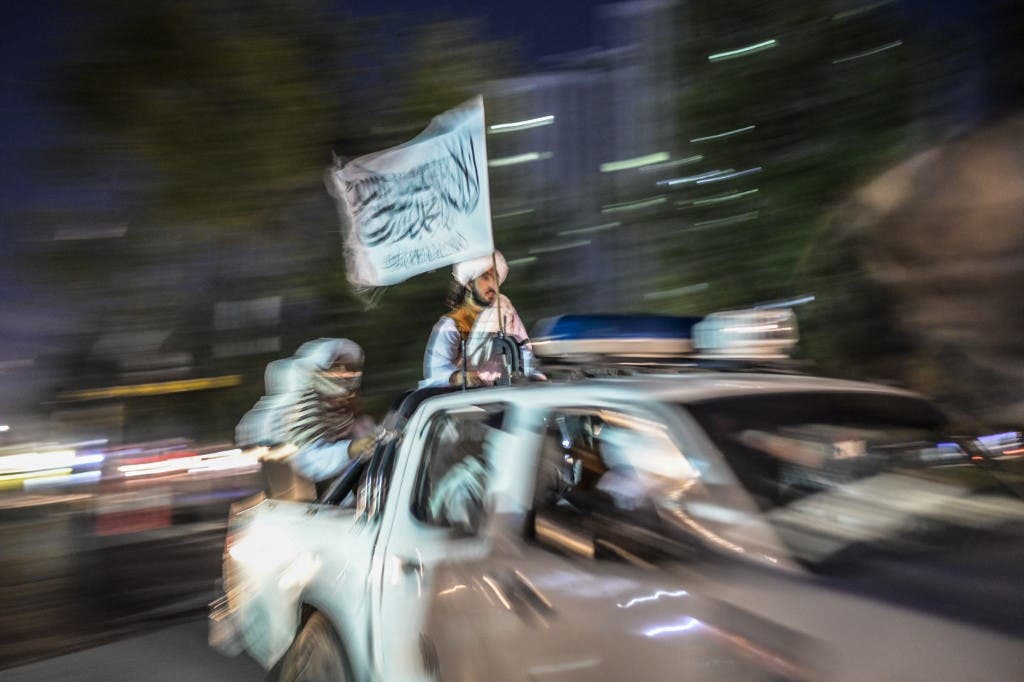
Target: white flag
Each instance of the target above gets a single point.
(419, 206)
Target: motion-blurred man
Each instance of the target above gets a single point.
(473, 320)
(311, 414)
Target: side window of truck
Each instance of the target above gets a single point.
(453, 471)
(375, 478)
(600, 477)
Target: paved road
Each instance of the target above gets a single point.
(58, 596)
(65, 586)
(172, 655)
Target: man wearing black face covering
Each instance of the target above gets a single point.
(312, 412)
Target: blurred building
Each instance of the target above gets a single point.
(549, 135)
(569, 146)
(642, 39)
(143, 332)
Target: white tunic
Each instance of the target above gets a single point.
(443, 356)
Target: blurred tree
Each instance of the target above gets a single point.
(230, 106)
(793, 104)
(205, 127)
(220, 118)
(1007, 56)
(441, 65)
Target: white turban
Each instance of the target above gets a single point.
(467, 271)
(322, 353)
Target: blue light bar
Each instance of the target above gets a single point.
(652, 336)
(615, 326)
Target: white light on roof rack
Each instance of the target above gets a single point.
(747, 334)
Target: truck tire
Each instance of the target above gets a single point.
(316, 655)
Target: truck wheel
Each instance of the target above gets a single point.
(316, 655)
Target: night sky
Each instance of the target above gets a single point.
(542, 27)
(30, 33)
(33, 32)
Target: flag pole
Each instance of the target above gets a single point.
(497, 289)
(465, 365)
(506, 361)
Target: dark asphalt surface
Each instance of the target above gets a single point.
(68, 584)
(174, 654)
(59, 595)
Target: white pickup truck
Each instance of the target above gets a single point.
(692, 524)
(340, 588)
(334, 589)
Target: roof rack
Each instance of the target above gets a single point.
(615, 345)
(621, 367)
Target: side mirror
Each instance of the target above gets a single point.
(465, 517)
(462, 502)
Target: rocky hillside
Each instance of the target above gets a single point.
(942, 235)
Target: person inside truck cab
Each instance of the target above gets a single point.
(456, 480)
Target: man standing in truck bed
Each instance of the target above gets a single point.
(473, 320)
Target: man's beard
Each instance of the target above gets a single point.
(477, 299)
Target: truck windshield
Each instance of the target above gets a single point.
(785, 447)
(866, 491)
(832, 471)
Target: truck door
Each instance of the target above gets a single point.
(590, 591)
(434, 515)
